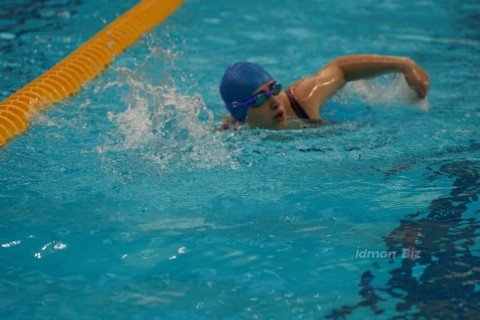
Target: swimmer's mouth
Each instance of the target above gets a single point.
(279, 116)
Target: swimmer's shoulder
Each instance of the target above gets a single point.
(228, 123)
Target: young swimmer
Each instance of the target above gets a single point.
(252, 96)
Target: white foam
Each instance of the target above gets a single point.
(388, 90)
(165, 126)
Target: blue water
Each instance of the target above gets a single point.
(123, 201)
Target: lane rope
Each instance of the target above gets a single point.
(85, 63)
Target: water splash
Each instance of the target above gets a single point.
(165, 127)
(389, 90)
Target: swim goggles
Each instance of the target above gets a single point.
(260, 98)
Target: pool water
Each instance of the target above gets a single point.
(124, 201)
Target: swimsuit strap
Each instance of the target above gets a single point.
(296, 106)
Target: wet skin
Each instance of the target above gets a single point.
(311, 92)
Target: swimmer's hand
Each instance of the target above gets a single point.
(416, 77)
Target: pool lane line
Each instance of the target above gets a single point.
(85, 63)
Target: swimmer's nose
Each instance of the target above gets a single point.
(274, 103)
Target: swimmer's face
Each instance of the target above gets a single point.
(271, 114)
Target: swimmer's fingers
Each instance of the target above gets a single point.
(418, 80)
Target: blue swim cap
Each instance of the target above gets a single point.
(239, 82)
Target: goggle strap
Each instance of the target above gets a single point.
(275, 89)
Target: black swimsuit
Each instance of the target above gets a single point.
(296, 106)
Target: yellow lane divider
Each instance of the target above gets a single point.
(85, 63)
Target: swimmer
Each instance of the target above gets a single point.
(253, 97)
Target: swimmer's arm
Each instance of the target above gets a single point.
(364, 66)
(312, 92)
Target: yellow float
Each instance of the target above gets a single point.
(89, 60)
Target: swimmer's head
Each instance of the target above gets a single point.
(239, 83)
